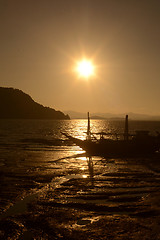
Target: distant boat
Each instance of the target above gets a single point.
(139, 144)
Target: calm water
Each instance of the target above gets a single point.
(34, 153)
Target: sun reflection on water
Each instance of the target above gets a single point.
(82, 168)
(78, 127)
(82, 158)
(84, 176)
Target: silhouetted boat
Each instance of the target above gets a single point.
(141, 143)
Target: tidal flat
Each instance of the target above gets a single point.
(49, 189)
(98, 204)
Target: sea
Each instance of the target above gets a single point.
(35, 154)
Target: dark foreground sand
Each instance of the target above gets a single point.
(123, 204)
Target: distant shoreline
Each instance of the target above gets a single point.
(110, 116)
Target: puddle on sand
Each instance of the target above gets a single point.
(21, 206)
(85, 221)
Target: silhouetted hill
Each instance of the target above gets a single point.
(16, 104)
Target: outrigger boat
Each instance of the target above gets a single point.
(141, 143)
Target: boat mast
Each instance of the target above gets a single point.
(126, 129)
(88, 129)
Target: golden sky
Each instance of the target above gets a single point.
(42, 40)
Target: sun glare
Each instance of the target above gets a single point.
(85, 68)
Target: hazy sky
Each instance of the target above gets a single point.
(40, 41)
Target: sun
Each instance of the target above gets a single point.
(85, 68)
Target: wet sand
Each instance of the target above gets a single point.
(116, 199)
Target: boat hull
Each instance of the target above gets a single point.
(109, 147)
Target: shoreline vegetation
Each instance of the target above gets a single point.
(15, 104)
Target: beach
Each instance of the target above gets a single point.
(53, 191)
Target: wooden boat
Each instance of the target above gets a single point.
(141, 143)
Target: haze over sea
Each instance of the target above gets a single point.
(35, 158)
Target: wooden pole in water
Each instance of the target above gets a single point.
(88, 129)
(126, 129)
